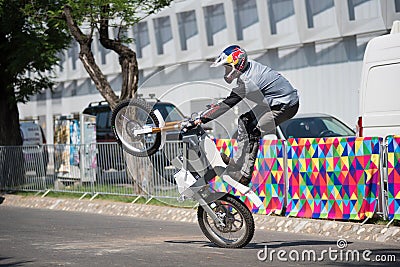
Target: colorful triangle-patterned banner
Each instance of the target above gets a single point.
(393, 171)
(334, 178)
(268, 177)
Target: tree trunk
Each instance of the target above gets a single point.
(127, 59)
(11, 158)
(130, 74)
(10, 134)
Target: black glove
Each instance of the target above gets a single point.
(188, 125)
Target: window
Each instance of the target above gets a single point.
(102, 120)
(187, 27)
(141, 37)
(315, 7)
(162, 27)
(362, 9)
(42, 95)
(84, 87)
(61, 57)
(314, 127)
(279, 10)
(169, 112)
(69, 89)
(334, 126)
(73, 53)
(56, 93)
(397, 5)
(121, 34)
(245, 15)
(215, 21)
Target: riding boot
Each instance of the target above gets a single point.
(242, 143)
(227, 160)
(250, 159)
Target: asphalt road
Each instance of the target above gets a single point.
(34, 237)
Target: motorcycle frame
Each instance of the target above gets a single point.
(195, 173)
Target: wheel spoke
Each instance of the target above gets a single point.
(129, 117)
(125, 117)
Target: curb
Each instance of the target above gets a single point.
(339, 229)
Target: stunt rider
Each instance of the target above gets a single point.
(275, 98)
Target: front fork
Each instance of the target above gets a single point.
(200, 187)
(204, 199)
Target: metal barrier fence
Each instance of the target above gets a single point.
(103, 168)
(23, 168)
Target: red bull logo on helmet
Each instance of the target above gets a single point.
(237, 58)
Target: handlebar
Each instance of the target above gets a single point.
(187, 125)
(184, 126)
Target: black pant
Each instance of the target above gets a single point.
(252, 125)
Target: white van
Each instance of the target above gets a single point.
(379, 106)
(35, 152)
(32, 134)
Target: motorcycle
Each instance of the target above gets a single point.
(223, 218)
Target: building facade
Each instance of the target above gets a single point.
(317, 44)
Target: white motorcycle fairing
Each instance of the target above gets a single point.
(214, 157)
(184, 179)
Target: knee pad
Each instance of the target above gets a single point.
(243, 125)
(247, 128)
(254, 134)
(245, 118)
(246, 125)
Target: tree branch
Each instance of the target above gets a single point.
(76, 32)
(127, 57)
(88, 60)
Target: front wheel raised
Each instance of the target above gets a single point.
(239, 223)
(130, 116)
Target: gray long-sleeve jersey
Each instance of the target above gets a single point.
(260, 84)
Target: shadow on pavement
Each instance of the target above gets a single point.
(193, 242)
(279, 244)
(7, 261)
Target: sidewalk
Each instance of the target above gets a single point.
(347, 230)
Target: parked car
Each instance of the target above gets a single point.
(102, 111)
(104, 133)
(35, 152)
(311, 125)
